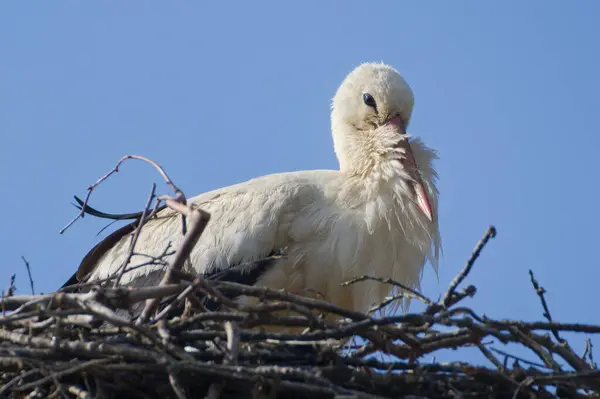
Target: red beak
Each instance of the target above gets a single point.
(420, 196)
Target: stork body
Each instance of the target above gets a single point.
(377, 215)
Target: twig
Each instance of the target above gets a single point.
(540, 291)
(490, 233)
(589, 353)
(78, 392)
(525, 361)
(29, 274)
(10, 291)
(178, 193)
(175, 382)
(60, 374)
(490, 357)
(412, 293)
(233, 341)
(198, 221)
(387, 301)
(143, 220)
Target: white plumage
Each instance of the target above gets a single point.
(376, 215)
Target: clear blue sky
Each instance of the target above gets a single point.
(220, 92)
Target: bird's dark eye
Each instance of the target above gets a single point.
(370, 101)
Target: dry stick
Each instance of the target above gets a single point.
(10, 291)
(79, 392)
(29, 274)
(136, 235)
(490, 233)
(545, 354)
(109, 315)
(410, 291)
(468, 291)
(525, 361)
(574, 361)
(213, 292)
(92, 307)
(589, 347)
(490, 356)
(280, 295)
(387, 301)
(176, 385)
(198, 221)
(118, 297)
(43, 369)
(82, 348)
(55, 375)
(264, 292)
(563, 349)
(568, 376)
(182, 295)
(20, 377)
(178, 193)
(540, 291)
(233, 342)
(546, 326)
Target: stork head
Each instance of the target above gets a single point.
(370, 113)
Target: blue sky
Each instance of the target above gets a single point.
(220, 92)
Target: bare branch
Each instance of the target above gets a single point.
(540, 291)
(178, 193)
(143, 220)
(198, 221)
(27, 266)
(490, 233)
(407, 290)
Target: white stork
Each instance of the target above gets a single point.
(376, 215)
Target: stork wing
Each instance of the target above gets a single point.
(89, 262)
(249, 222)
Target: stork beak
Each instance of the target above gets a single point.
(409, 163)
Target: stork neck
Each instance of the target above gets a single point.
(356, 150)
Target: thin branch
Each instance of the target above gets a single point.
(525, 361)
(490, 233)
(178, 193)
(143, 220)
(198, 221)
(411, 293)
(27, 266)
(540, 291)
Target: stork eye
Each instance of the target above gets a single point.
(370, 101)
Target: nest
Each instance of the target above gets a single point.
(80, 345)
(85, 344)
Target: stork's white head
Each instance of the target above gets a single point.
(370, 113)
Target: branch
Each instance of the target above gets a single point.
(27, 266)
(178, 193)
(490, 233)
